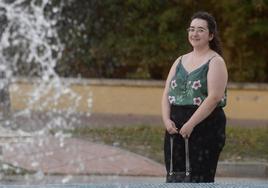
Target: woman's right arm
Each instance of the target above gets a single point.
(169, 124)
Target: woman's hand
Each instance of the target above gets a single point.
(186, 130)
(171, 127)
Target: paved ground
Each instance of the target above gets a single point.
(59, 155)
(70, 158)
(75, 162)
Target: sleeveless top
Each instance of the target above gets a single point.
(190, 88)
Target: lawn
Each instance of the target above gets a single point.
(242, 144)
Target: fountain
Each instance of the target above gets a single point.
(29, 51)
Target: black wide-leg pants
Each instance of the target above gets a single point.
(205, 143)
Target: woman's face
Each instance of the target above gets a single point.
(198, 33)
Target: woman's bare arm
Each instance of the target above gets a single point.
(170, 125)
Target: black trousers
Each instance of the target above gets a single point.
(205, 143)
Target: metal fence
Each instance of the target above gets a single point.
(149, 185)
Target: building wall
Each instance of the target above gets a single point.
(245, 101)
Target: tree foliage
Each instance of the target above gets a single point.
(142, 38)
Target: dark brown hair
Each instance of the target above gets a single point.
(215, 43)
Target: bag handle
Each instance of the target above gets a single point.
(171, 155)
(187, 161)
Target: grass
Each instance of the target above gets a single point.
(246, 144)
(242, 144)
(141, 139)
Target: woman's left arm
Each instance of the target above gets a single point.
(216, 81)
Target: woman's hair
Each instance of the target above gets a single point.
(215, 43)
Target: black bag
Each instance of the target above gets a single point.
(176, 177)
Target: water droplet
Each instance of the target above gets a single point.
(66, 179)
(39, 175)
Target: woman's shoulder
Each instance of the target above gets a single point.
(217, 61)
(177, 61)
(180, 58)
(216, 57)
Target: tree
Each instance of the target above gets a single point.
(142, 38)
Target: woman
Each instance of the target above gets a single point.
(193, 99)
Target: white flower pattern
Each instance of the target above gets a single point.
(197, 101)
(196, 84)
(173, 84)
(190, 90)
(171, 99)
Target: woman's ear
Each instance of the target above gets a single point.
(211, 36)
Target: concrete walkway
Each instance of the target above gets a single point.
(59, 155)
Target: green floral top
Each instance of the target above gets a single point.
(190, 88)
